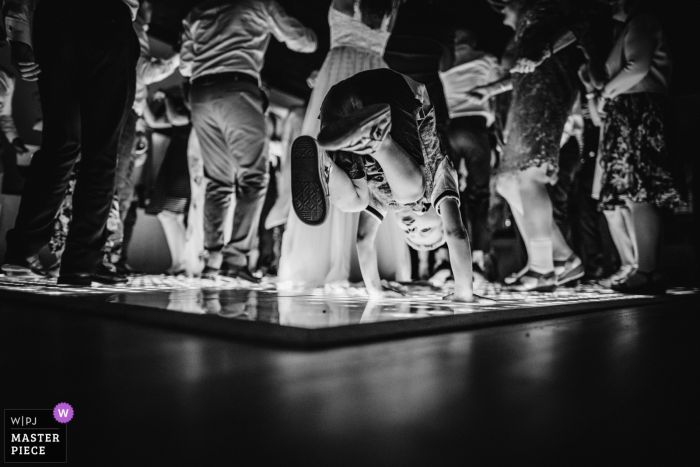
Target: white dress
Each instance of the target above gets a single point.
(325, 255)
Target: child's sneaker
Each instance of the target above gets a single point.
(310, 172)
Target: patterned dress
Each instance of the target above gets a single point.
(541, 100)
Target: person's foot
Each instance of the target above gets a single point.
(29, 267)
(102, 274)
(532, 281)
(125, 269)
(486, 268)
(569, 270)
(239, 272)
(620, 276)
(642, 283)
(210, 273)
(513, 278)
(310, 173)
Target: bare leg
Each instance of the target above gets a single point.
(346, 194)
(646, 219)
(404, 176)
(560, 249)
(537, 218)
(622, 236)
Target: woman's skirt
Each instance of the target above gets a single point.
(637, 165)
(541, 103)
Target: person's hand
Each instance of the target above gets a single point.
(468, 298)
(20, 148)
(478, 95)
(312, 79)
(376, 294)
(22, 58)
(525, 65)
(159, 95)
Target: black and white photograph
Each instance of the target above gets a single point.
(350, 232)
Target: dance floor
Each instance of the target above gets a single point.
(311, 318)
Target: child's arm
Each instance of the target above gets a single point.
(460, 251)
(367, 228)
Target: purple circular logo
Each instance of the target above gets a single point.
(63, 413)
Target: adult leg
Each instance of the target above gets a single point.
(647, 229)
(469, 141)
(623, 235)
(244, 130)
(218, 168)
(108, 62)
(569, 164)
(52, 166)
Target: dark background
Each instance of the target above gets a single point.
(288, 71)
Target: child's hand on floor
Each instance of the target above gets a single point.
(472, 299)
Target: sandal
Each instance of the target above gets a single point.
(544, 282)
(571, 269)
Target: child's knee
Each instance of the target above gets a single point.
(412, 193)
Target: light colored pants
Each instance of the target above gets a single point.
(230, 124)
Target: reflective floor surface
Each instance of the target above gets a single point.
(185, 299)
(615, 387)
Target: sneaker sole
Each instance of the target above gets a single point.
(309, 192)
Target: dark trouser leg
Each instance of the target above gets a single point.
(470, 142)
(569, 164)
(52, 165)
(109, 63)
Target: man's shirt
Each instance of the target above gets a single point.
(19, 16)
(222, 36)
(149, 70)
(465, 76)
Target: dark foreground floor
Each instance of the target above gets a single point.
(606, 388)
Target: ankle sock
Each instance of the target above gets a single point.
(541, 259)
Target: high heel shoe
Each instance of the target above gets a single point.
(652, 283)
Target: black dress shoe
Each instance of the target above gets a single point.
(24, 267)
(239, 272)
(102, 275)
(642, 283)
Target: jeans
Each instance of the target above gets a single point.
(228, 117)
(470, 142)
(87, 52)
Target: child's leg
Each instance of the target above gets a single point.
(346, 194)
(404, 176)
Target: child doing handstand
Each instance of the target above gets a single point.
(378, 150)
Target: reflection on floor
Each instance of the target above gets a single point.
(311, 309)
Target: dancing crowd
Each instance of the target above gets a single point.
(395, 170)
